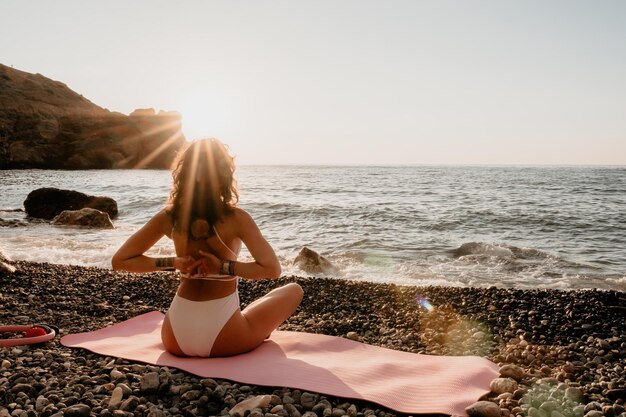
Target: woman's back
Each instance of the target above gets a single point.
(224, 244)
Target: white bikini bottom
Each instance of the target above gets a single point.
(196, 324)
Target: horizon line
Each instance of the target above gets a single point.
(433, 165)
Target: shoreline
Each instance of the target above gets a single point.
(559, 339)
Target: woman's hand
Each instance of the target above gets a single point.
(209, 263)
(185, 264)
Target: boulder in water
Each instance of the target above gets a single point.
(86, 217)
(47, 203)
(482, 249)
(312, 262)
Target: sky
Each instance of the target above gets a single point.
(386, 82)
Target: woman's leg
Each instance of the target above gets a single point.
(168, 338)
(270, 311)
(247, 329)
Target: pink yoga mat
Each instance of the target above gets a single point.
(405, 382)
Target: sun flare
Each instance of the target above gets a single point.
(203, 117)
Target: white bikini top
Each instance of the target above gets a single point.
(215, 277)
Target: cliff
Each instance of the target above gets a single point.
(44, 124)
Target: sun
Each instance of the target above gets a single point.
(203, 117)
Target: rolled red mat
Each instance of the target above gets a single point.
(33, 334)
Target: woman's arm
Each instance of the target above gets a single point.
(130, 256)
(265, 263)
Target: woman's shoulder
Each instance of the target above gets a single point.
(164, 220)
(240, 217)
(163, 215)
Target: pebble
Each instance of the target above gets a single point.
(126, 391)
(77, 410)
(115, 375)
(591, 406)
(292, 410)
(191, 395)
(129, 404)
(579, 410)
(21, 388)
(548, 407)
(116, 397)
(337, 412)
(259, 401)
(615, 394)
(573, 394)
(501, 385)
(155, 412)
(353, 336)
(483, 409)
(150, 382)
(40, 403)
(308, 400)
(512, 371)
(608, 411)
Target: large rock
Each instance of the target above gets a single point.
(44, 124)
(47, 203)
(86, 217)
(312, 262)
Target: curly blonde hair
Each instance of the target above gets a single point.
(204, 189)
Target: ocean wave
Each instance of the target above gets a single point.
(618, 282)
(460, 226)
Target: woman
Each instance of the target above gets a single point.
(208, 229)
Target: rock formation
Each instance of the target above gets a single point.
(312, 262)
(86, 217)
(47, 203)
(44, 124)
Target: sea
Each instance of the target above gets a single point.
(466, 226)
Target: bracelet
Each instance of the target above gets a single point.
(225, 267)
(166, 263)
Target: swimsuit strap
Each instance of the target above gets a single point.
(220, 239)
(211, 277)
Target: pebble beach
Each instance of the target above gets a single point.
(561, 353)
